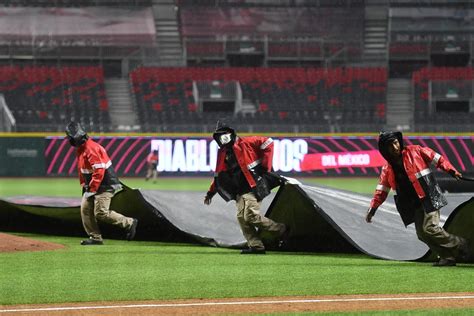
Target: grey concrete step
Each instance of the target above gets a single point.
(375, 51)
(170, 44)
(166, 27)
(376, 34)
(373, 40)
(378, 45)
(167, 33)
(171, 50)
(170, 57)
(170, 2)
(166, 22)
(170, 39)
(375, 29)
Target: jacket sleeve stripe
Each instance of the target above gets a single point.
(436, 159)
(253, 164)
(266, 143)
(102, 165)
(422, 173)
(382, 188)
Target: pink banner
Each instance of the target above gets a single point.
(321, 161)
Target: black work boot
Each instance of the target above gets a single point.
(90, 242)
(284, 238)
(445, 262)
(132, 230)
(253, 251)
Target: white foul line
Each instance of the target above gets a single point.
(335, 300)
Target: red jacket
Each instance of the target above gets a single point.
(95, 168)
(250, 152)
(416, 160)
(152, 158)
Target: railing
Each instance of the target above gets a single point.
(76, 3)
(273, 3)
(295, 49)
(7, 121)
(132, 55)
(422, 50)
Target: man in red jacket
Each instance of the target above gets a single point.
(242, 174)
(418, 196)
(152, 163)
(99, 184)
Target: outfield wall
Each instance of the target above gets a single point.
(326, 155)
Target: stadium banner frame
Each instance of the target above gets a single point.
(327, 155)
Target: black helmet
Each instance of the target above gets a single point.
(224, 134)
(76, 134)
(385, 139)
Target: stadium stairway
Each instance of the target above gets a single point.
(168, 35)
(375, 33)
(399, 105)
(122, 116)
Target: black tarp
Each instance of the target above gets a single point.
(321, 220)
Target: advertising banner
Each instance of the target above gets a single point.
(369, 158)
(297, 156)
(22, 157)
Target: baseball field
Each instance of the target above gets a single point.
(143, 277)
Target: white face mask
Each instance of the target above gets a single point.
(225, 138)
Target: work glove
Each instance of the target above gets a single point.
(85, 188)
(455, 174)
(208, 197)
(85, 191)
(370, 213)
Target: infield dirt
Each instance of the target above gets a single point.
(12, 243)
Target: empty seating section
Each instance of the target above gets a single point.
(417, 32)
(445, 85)
(332, 23)
(286, 99)
(44, 98)
(210, 31)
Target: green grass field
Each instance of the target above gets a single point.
(135, 270)
(70, 186)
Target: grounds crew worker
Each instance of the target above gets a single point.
(418, 196)
(152, 162)
(242, 174)
(99, 184)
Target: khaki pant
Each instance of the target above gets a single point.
(96, 208)
(151, 172)
(248, 215)
(429, 231)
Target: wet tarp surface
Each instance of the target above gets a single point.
(337, 218)
(321, 219)
(214, 224)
